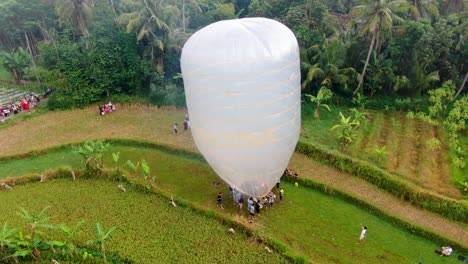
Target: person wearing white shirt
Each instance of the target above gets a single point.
(446, 251)
(363, 234)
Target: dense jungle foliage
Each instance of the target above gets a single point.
(90, 49)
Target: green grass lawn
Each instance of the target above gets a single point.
(322, 227)
(40, 164)
(147, 229)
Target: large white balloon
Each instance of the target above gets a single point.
(242, 87)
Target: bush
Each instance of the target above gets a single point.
(59, 102)
(169, 95)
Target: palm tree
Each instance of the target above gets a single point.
(146, 18)
(427, 8)
(453, 6)
(375, 17)
(323, 63)
(462, 29)
(195, 5)
(78, 12)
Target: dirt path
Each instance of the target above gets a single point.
(318, 172)
(152, 124)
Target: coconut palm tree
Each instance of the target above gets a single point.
(147, 19)
(374, 17)
(323, 64)
(195, 6)
(427, 8)
(453, 6)
(462, 30)
(76, 12)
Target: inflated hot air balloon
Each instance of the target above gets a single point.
(242, 87)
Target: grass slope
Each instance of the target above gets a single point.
(148, 230)
(317, 225)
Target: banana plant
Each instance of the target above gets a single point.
(346, 129)
(146, 174)
(380, 153)
(7, 238)
(68, 246)
(101, 236)
(323, 95)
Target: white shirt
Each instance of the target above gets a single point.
(363, 232)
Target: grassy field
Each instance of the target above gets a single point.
(405, 139)
(147, 229)
(40, 164)
(317, 225)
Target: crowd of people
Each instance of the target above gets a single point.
(255, 204)
(20, 105)
(106, 108)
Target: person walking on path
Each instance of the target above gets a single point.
(363, 234)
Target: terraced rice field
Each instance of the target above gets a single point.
(408, 154)
(320, 226)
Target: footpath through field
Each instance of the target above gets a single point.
(152, 124)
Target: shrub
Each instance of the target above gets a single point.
(59, 102)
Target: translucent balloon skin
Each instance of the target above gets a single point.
(242, 87)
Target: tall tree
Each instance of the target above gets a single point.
(76, 12)
(324, 64)
(462, 29)
(260, 8)
(147, 19)
(427, 8)
(453, 6)
(20, 16)
(195, 6)
(373, 18)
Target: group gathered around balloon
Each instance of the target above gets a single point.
(19, 106)
(255, 204)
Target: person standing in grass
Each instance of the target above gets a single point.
(281, 193)
(363, 234)
(175, 128)
(241, 202)
(252, 210)
(234, 196)
(250, 204)
(219, 200)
